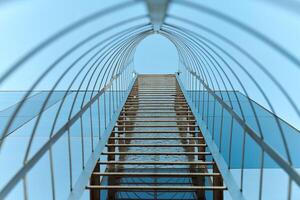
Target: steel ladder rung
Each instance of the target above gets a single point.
(177, 174)
(155, 131)
(124, 121)
(155, 163)
(155, 145)
(156, 138)
(151, 188)
(156, 153)
(155, 116)
(173, 112)
(157, 108)
(152, 126)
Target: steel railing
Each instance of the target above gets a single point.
(212, 84)
(95, 93)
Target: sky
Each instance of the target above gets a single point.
(148, 61)
(24, 24)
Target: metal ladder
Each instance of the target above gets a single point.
(156, 150)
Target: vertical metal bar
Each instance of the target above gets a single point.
(123, 85)
(120, 87)
(70, 160)
(195, 89)
(207, 110)
(192, 89)
(92, 131)
(118, 91)
(214, 116)
(190, 85)
(199, 96)
(128, 79)
(99, 117)
(104, 106)
(109, 103)
(230, 143)
(187, 81)
(113, 96)
(203, 96)
(82, 142)
(52, 174)
(125, 81)
(243, 159)
(221, 130)
(25, 188)
(289, 191)
(261, 174)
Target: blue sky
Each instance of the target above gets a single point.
(24, 24)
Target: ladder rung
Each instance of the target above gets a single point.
(155, 131)
(151, 188)
(155, 97)
(156, 102)
(148, 93)
(153, 174)
(156, 138)
(156, 153)
(145, 102)
(151, 90)
(154, 163)
(156, 106)
(156, 116)
(129, 117)
(173, 87)
(156, 86)
(157, 93)
(158, 90)
(170, 100)
(124, 121)
(156, 126)
(170, 109)
(173, 182)
(159, 104)
(155, 145)
(156, 112)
